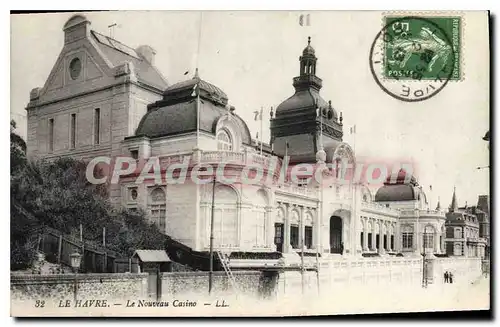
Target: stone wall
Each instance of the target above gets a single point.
(196, 283)
(90, 286)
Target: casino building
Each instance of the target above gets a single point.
(103, 98)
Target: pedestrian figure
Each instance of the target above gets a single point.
(451, 278)
(446, 276)
(342, 248)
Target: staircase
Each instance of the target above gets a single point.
(224, 260)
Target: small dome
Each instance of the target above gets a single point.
(309, 50)
(75, 20)
(206, 89)
(398, 192)
(398, 187)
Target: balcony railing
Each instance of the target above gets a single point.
(222, 156)
(300, 190)
(379, 208)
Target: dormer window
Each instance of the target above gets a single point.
(224, 141)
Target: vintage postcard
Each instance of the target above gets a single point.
(249, 163)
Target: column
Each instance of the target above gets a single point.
(270, 212)
(315, 242)
(365, 235)
(301, 227)
(398, 238)
(286, 229)
(381, 238)
(374, 236)
(443, 243)
(436, 242)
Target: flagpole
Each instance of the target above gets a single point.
(197, 117)
(261, 135)
(197, 88)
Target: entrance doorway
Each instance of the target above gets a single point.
(336, 245)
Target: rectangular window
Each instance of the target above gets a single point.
(377, 241)
(97, 126)
(392, 242)
(428, 240)
(134, 154)
(72, 135)
(407, 240)
(370, 241)
(458, 232)
(385, 243)
(51, 134)
(158, 216)
(294, 236)
(362, 240)
(278, 236)
(308, 236)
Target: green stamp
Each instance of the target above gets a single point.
(422, 48)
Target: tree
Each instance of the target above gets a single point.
(56, 193)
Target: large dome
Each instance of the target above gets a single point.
(177, 112)
(398, 187)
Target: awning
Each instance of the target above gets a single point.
(152, 255)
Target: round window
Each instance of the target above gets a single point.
(133, 194)
(75, 68)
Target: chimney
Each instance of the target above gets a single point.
(147, 53)
(76, 28)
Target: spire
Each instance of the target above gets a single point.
(454, 203)
(196, 75)
(308, 40)
(438, 207)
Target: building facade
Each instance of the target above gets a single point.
(105, 98)
(467, 230)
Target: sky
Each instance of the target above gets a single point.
(253, 57)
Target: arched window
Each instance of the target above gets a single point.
(157, 208)
(224, 141)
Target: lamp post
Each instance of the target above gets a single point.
(211, 271)
(424, 277)
(76, 259)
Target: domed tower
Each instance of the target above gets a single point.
(401, 190)
(298, 120)
(177, 112)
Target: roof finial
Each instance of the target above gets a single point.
(308, 40)
(196, 73)
(454, 202)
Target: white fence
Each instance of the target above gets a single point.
(335, 274)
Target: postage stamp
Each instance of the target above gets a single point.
(414, 57)
(419, 48)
